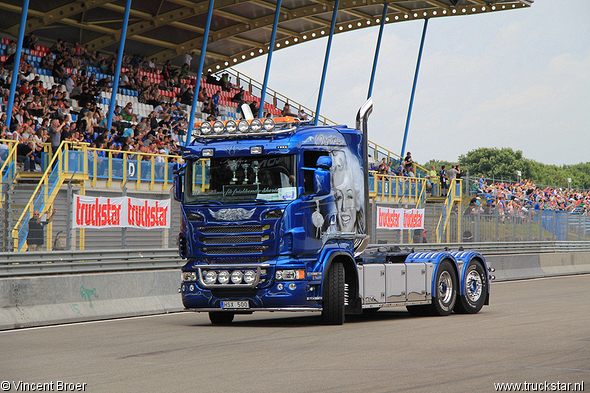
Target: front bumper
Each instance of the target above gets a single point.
(280, 296)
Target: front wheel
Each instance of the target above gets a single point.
(221, 317)
(333, 297)
(446, 290)
(475, 286)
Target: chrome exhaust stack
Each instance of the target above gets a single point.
(362, 121)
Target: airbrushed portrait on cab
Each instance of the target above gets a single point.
(345, 216)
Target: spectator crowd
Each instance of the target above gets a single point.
(517, 199)
(44, 114)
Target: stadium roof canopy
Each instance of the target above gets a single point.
(240, 29)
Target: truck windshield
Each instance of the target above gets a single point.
(241, 179)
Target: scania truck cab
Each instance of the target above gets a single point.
(274, 218)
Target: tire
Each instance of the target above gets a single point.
(221, 317)
(475, 287)
(446, 290)
(333, 295)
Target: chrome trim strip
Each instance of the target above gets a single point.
(249, 310)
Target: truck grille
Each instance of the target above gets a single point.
(231, 229)
(231, 239)
(234, 250)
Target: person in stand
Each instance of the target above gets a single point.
(409, 164)
(287, 111)
(443, 181)
(383, 168)
(36, 236)
(25, 154)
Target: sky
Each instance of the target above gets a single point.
(517, 79)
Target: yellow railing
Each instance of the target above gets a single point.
(41, 199)
(454, 195)
(100, 164)
(8, 168)
(72, 161)
(396, 188)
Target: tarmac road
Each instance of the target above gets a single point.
(534, 331)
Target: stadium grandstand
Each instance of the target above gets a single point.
(68, 65)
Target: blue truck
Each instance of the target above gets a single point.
(274, 218)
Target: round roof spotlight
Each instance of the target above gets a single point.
(256, 125)
(243, 126)
(218, 127)
(231, 127)
(268, 125)
(206, 128)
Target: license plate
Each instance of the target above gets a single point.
(238, 304)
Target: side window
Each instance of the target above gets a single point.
(309, 163)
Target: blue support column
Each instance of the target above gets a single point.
(414, 88)
(377, 50)
(271, 48)
(332, 26)
(16, 66)
(191, 121)
(118, 66)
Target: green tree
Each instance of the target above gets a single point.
(497, 163)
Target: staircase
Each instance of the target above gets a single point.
(42, 196)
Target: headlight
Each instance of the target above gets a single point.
(256, 125)
(249, 276)
(273, 214)
(223, 277)
(269, 124)
(209, 152)
(210, 276)
(218, 127)
(189, 276)
(236, 276)
(231, 127)
(255, 149)
(291, 274)
(206, 128)
(243, 126)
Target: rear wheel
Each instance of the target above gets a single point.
(333, 295)
(475, 287)
(221, 318)
(446, 290)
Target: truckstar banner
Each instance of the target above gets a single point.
(388, 218)
(92, 212)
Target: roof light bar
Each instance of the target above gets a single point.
(244, 127)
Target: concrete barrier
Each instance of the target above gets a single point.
(523, 266)
(46, 300)
(39, 301)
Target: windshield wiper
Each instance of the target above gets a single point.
(210, 202)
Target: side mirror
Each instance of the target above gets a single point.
(178, 175)
(322, 182)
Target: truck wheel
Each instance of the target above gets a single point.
(333, 296)
(446, 290)
(475, 287)
(221, 318)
